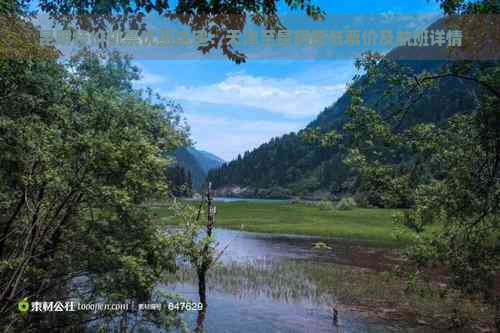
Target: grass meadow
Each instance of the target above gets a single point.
(372, 225)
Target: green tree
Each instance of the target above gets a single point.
(446, 173)
(216, 17)
(180, 181)
(80, 154)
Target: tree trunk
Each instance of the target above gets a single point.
(200, 319)
(202, 287)
(203, 268)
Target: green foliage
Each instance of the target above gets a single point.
(446, 173)
(197, 163)
(195, 245)
(81, 152)
(180, 181)
(446, 170)
(21, 39)
(346, 203)
(326, 205)
(386, 111)
(469, 7)
(272, 164)
(213, 16)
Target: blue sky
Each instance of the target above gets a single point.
(233, 108)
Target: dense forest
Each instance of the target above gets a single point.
(180, 181)
(197, 163)
(304, 167)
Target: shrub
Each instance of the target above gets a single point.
(346, 203)
(325, 205)
(362, 200)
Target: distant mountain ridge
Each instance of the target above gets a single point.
(289, 165)
(198, 163)
(205, 159)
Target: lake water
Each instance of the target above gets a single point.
(231, 199)
(265, 290)
(228, 312)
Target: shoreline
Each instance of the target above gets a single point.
(371, 227)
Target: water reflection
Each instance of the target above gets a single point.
(230, 313)
(272, 283)
(200, 319)
(231, 199)
(243, 246)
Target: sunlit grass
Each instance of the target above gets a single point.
(359, 224)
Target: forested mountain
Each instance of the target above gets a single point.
(197, 164)
(300, 168)
(180, 181)
(207, 161)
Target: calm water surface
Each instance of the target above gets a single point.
(245, 309)
(231, 199)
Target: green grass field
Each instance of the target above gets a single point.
(358, 224)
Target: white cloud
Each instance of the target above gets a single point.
(284, 96)
(149, 78)
(237, 125)
(228, 136)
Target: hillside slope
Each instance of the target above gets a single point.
(297, 168)
(198, 163)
